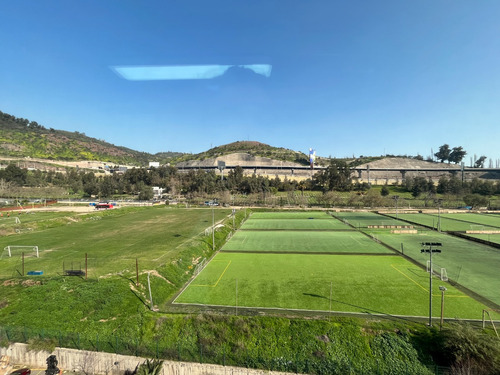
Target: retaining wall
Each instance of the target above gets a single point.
(107, 363)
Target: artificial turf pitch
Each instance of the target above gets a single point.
(304, 242)
(363, 284)
(468, 263)
(295, 224)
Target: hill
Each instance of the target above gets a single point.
(244, 152)
(22, 138)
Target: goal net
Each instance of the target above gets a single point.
(199, 267)
(476, 227)
(18, 249)
(437, 271)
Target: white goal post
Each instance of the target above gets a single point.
(12, 247)
(437, 271)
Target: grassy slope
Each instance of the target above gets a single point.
(18, 140)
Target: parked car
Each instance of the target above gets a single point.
(21, 371)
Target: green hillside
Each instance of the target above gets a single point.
(20, 137)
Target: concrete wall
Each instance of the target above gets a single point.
(107, 363)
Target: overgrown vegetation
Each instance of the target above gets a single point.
(21, 137)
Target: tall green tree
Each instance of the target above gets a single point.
(444, 153)
(457, 154)
(480, 162)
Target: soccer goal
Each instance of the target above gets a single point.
(15, 249)
(437, 271)
(199, 267)
(476, 227)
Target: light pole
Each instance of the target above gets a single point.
(213, 228)
(439, 201)
(442, 289)
(428, 249)
(396, 198)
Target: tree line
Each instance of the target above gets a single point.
(197, 183)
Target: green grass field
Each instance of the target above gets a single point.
(363, 219)
(303, 242)
(487, 237)
(295, 224)
(370, 284)
(153, 235)
(447, 223)
(471, 264)
(474, 218)
(291, 215)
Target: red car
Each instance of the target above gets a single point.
(21, 371)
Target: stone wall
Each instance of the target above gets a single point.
(87, 362)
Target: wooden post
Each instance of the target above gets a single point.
(86, 263)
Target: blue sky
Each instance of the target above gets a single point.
(347, 78)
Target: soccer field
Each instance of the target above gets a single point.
(304, 242)
(448, 223)
(471, 264)
(369, 284)
(291, 215)
(363, 219)
(152, 235)
(295, 224)
(477, 219)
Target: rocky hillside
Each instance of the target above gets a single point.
(245, 153)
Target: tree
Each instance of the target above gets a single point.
(480, 162)
(457, 154)
(443, 153)
(337, 176)
(384, 191)
(475, 200)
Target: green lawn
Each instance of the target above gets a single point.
(373, 284)
(304, 242)
(447, 223)
(363, 219)
(153, 235)
(474, 218)
(290, 215)
(471, 264)
(294, 224)
(487, 237)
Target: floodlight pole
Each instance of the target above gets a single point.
(396, 198)
(430, 250)
(213, 229)
(439, 201)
